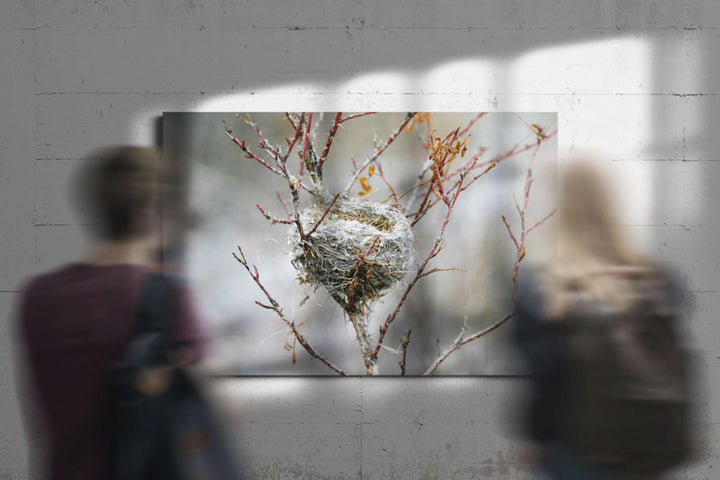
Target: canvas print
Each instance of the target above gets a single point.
(363, 243)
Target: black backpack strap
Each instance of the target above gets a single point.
(157, 304)
(153, 341)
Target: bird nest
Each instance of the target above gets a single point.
(358, 252)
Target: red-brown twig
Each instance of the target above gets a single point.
(274, 306)
(512, 237)
(358, 265)
(282, 202)
(303, 152)
(404, 342)
(356, 115)
(280, 169)
(377, 153)
(393, 194)
(264, 143)
(291, 143)
(249, 154)
(328, 144)
(471, 123)
(471, 165)
(274, 220)
(325, 213)
(462, 340)
(520, 254)
(542, 220)
(434, 250)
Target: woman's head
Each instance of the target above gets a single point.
(123, 188)
(592, 254)
(587, 223)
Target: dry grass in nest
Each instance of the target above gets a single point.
(359, 251)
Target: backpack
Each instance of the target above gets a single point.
(628, 399)
(173, 435)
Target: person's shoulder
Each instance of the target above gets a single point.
(41, 281)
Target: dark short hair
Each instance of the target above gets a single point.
(122, 188)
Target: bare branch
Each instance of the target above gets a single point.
(355, 115)
(543, 220)
(462, 341)
(275, 220)
(327, 210)
(471, 123)
(404, 342)
(377, 153)
(328, 144)
(304, 151)
(282, 202)
(393, 194)
(274, 306)
(517, 245)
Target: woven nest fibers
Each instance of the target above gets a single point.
(358, 252)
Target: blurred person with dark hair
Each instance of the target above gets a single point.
(597, 324)
(77, 320)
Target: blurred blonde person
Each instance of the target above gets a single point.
(596, 324)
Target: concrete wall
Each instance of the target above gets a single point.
(637, 79)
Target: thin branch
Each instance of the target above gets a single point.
(520, 253)
(291, 143)
(405, 341)
(285, 207)
(325, 213)
(264, 143)
(462, 341)
(328, 144)
(355, 115)
(449, 269)
(360, 262)
(249, 154)
(517, 245)
(274, 306)
(434, 250)
(540, 222)
(274, 220)
(279, 170)
(393, 194)
(303, 152)
(471, 123)
(377, 153)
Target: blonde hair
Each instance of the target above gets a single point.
(592, 255)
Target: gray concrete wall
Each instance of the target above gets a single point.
(639, 79)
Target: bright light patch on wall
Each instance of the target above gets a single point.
(449, 86)
(597, 86)
(382, 91)
(618, 65)
(600, 89)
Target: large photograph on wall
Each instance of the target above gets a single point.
(363, 243)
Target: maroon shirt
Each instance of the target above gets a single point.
(74, 322)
